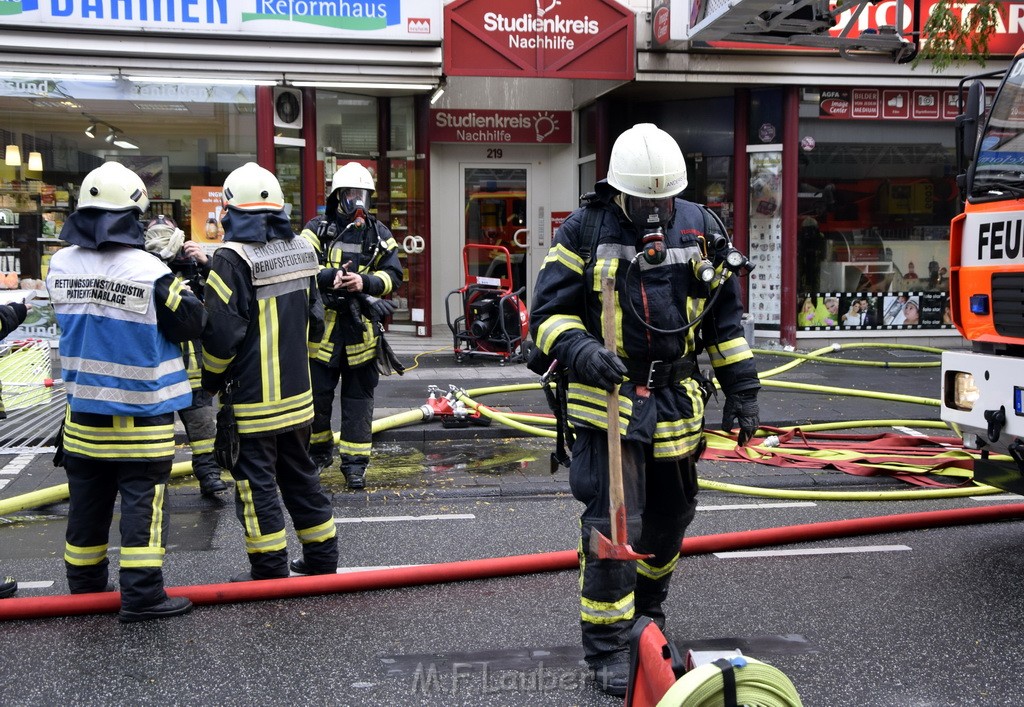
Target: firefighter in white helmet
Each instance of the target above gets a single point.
(675, 296)
(189, 264)
(360, 268)
(122, 316)
(264, 314)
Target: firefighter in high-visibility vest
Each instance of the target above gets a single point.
(122, 315)
(360, 268)
(265, 317)
(673, 297)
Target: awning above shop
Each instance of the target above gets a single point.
(380, 68)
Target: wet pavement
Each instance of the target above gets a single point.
(429, 457)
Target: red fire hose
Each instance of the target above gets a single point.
(109, 602)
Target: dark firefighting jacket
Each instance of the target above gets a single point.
(373, 253)
(667, 296)
(11, 317)
(265, 318)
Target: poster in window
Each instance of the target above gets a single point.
(765, 239)
(153, 171)
(853, 311)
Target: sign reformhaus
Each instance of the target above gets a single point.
(569, 39)
(407, 20)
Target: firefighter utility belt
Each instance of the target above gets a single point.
(658, 374)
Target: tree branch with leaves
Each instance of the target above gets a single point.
(957, 33)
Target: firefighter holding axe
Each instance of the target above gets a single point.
(636, 285)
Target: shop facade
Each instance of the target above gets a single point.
(836, 175)
(183, 94)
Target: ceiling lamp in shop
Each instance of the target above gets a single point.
(12, 158)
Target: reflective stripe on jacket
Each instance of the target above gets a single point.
(115, 358)
(373, 253)
(667, 296)
(264, 312)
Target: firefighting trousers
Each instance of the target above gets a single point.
(281, 462)
(661, 497)
(200, 423)
(93, 486)
(356, 411)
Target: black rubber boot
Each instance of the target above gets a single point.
(613, 678)
(171, 606)
(108, 587)
(8, 587)
(322, 461)
(300, 567)
(355, 477)
(211, 485)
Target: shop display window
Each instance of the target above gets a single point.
(875, 202)
(174, 137)
(349, 130)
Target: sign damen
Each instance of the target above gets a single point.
(406, 20)
(501, 126)
(569, 39)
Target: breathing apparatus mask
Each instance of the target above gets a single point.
(353, 202)
(651, 217)
(648, 214)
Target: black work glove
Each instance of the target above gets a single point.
(741, 408)
(379, 308)
(595, 365)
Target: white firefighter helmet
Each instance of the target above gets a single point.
(353, 175)
(253, 188)
(351, 188)
(113, 187)
(647, 162)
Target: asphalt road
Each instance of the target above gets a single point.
(928, 617)
(925, 617)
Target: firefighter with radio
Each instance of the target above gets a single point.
(675, 296)
(359, 268)
(264, 315)
(122, 315)
(166, 241)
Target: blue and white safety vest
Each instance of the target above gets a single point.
(114, 358)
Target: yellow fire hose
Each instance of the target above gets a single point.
(757, 685)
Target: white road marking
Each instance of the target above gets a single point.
(33, 451)
(346, 570)
(397, 519)
(750, 506)
(15, 465)
(811, 551)
(4, 482)
(35, 585)
(916, 433)
(998, 497)
(370, 568)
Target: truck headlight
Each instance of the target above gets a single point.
(961, 392)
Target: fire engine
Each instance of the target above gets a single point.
(983, 388)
